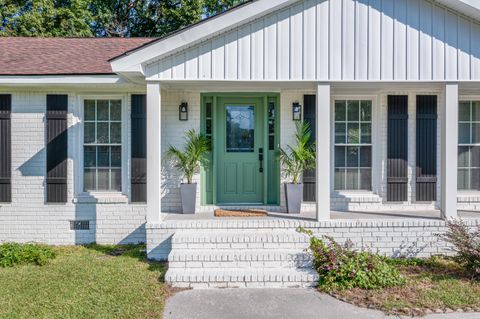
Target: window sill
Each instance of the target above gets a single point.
(468, 196)
(101, 198)
(355, 197)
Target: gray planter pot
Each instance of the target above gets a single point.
(189, 194)
(294, 197)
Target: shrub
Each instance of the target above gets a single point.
(340, 267)
(12, 254)
(466, 244)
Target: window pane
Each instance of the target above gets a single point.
(463, 133)
(340, 156)
(103, 180)
(89, 112)
(115, 110)
(475, 133)
(89, 133)
(240, 129)
(340, 111)
(89, 177)
(102, 110)
(366, 179)
(463, 156)
(116, 153)
(116, 180)
(353, 110)
(339, 179)
(365, 156)
(352, 179)
(340, 133)
(89, 156)
(353, 133)
(464, 111)
(462, 178)
(103, 156)
(116, 133)
(475, 178)
(352, 156)
(366, 131)
(475, 156)
(102, 133)
(476, 111)
(366, 110)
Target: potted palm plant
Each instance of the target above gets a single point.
(188, 163)
(294, 160)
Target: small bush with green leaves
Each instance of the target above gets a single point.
(466, 244)
(12, 254)
(340, 267)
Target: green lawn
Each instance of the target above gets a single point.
(85, 282)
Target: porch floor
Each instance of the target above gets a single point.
(334, 215)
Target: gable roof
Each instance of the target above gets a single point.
(62, 56)
(131, 62)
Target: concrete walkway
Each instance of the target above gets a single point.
(271, 303)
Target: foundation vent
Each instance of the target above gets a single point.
(79, 225)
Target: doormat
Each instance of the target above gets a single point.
(240, 213)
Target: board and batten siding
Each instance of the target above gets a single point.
(337, 40)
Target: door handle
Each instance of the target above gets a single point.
(260, 159)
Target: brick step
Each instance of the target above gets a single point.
(241, 277)
(239, 258)
(238, 239)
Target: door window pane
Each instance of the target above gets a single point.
(240, 135)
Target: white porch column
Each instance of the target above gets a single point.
(449, 128)
(154, 152)
(323, 151)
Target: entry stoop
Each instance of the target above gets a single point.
(219, 258)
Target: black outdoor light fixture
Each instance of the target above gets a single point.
(183, 111)
(296, 111)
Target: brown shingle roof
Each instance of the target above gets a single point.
(44, 56)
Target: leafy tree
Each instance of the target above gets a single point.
(104, 18)
(54, 18)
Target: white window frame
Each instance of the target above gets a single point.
(79, 171)
(374, 145)
(467, 98)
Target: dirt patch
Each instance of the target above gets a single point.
(436, 288)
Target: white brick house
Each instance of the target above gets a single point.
(393, 88)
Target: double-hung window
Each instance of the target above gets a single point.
(353, 145)
(102, 145)
(469, 145)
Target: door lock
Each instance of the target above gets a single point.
(260, 159)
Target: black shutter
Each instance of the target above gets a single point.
(309, 183)
(426, 150)
(139, 149)
(397, 161)
(5, 148)
(57, 148)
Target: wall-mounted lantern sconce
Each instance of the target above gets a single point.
(183, 111)
(296, 111)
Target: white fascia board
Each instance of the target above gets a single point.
(60, 79)
(469, 8)
(132, 62)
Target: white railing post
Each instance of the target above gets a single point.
(322, 115)
(154, 153)
(449, 151)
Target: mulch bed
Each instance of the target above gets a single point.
(240, 213)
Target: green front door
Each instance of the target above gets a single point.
(239, 150)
